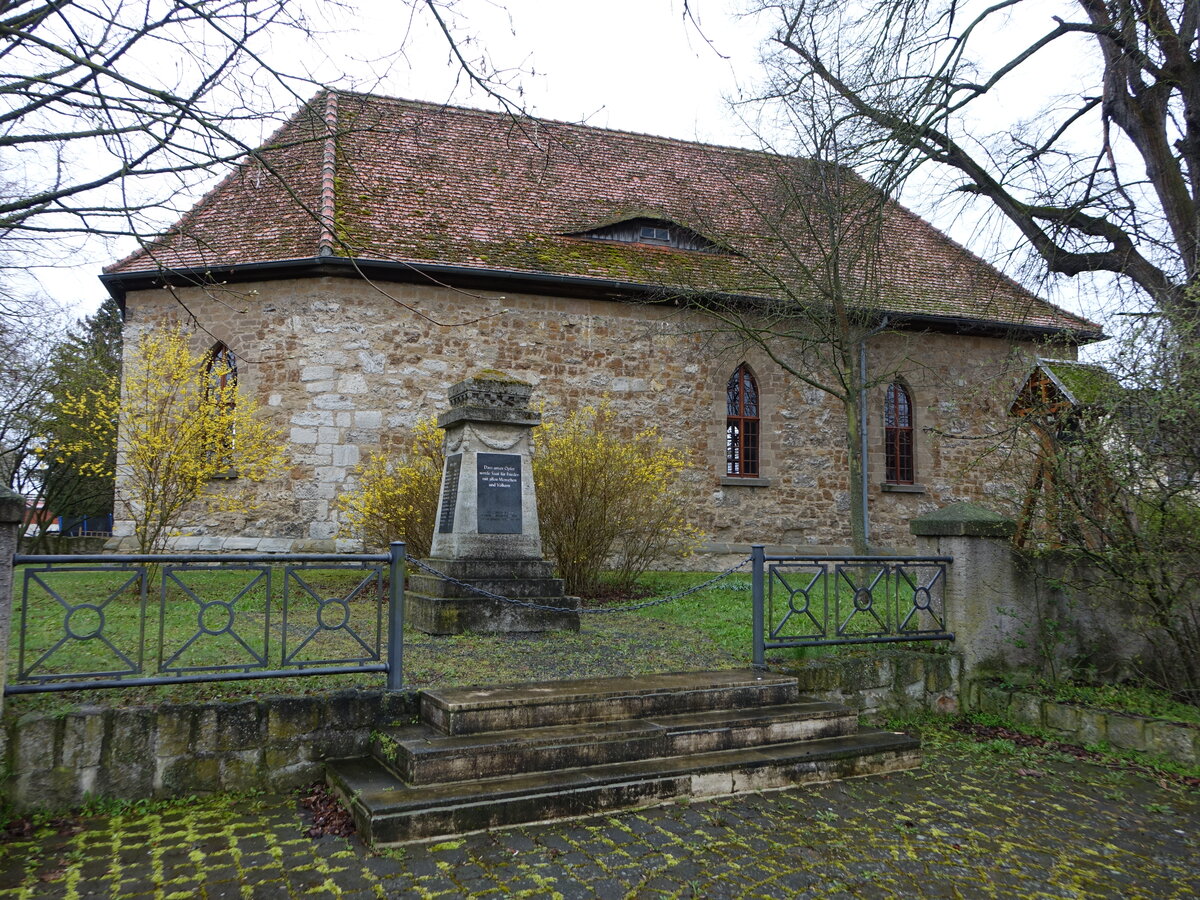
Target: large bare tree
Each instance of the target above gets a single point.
(825, 300)
(109, 107)
(114, 112)
(1102, 172)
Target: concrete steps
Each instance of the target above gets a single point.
(490, 757)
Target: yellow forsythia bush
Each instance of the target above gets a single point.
(604, 500)
(182, 425)
(396, 498)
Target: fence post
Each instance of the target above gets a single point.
(396, 566)
(757, 556)
(12, 515)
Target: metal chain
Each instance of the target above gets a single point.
(632, 607)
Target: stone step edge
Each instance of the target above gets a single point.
(438, 746)
(605, 798)
(426, 797)
(507, 695)
(566, 734)
(617, 707)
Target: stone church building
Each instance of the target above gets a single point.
(376, 251)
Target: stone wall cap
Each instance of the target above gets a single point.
(12, 507)
(491, 388)
(965, 519)
(490, 415)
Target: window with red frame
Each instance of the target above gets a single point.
(898, 435)
(741, 424)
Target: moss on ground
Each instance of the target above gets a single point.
(981, 819)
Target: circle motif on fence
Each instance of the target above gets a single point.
(862, 599)
(221, 611)
(84, 621)
(921, 598)
(792, 601)
(343, 613)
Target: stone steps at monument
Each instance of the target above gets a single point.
(423, 755)
(517, 588)
(513, 754)
(540, 704)
(387, 811)
(475, 569)
(456, 615)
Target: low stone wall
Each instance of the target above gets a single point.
(58, 544)
(272, 743)
(1179, 741)
(882, 683)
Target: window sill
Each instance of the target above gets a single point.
(228, 475)
(736, 481)
(889, 488)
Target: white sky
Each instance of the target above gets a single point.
(626, 64)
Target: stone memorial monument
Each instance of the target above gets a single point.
(486, 533)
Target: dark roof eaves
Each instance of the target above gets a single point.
(995, 327)
(119, 284)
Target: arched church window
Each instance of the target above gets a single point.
(898, 436)
(742, 424)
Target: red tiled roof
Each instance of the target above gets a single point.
(394, 180)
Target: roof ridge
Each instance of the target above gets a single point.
(474, 110)
(328, 178)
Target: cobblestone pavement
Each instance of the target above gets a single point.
(977, 821)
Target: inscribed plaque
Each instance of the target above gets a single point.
(450, 493)
(499, 492)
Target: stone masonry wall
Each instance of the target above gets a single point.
(881, 682)
(345, 367)
(274, 743)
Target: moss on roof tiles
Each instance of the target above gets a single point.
(1085, 384)
(418, 182)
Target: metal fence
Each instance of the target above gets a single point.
(89, 621)
(814, 601)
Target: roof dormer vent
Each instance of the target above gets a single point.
(653, 232)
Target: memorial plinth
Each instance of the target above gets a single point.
(486, 533)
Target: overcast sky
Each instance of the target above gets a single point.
(627, 64)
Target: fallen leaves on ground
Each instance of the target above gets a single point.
(328, 814)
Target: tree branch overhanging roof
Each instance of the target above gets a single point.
(405, 187)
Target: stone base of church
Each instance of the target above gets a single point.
(436, 606)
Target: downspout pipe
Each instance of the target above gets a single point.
(862, 425)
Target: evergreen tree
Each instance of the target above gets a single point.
(88, 359)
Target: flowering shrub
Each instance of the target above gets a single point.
(607, 500)
(181, 425)
(396, 498)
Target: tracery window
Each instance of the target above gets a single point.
(742, 424)
(221, 368)
(898, 436)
